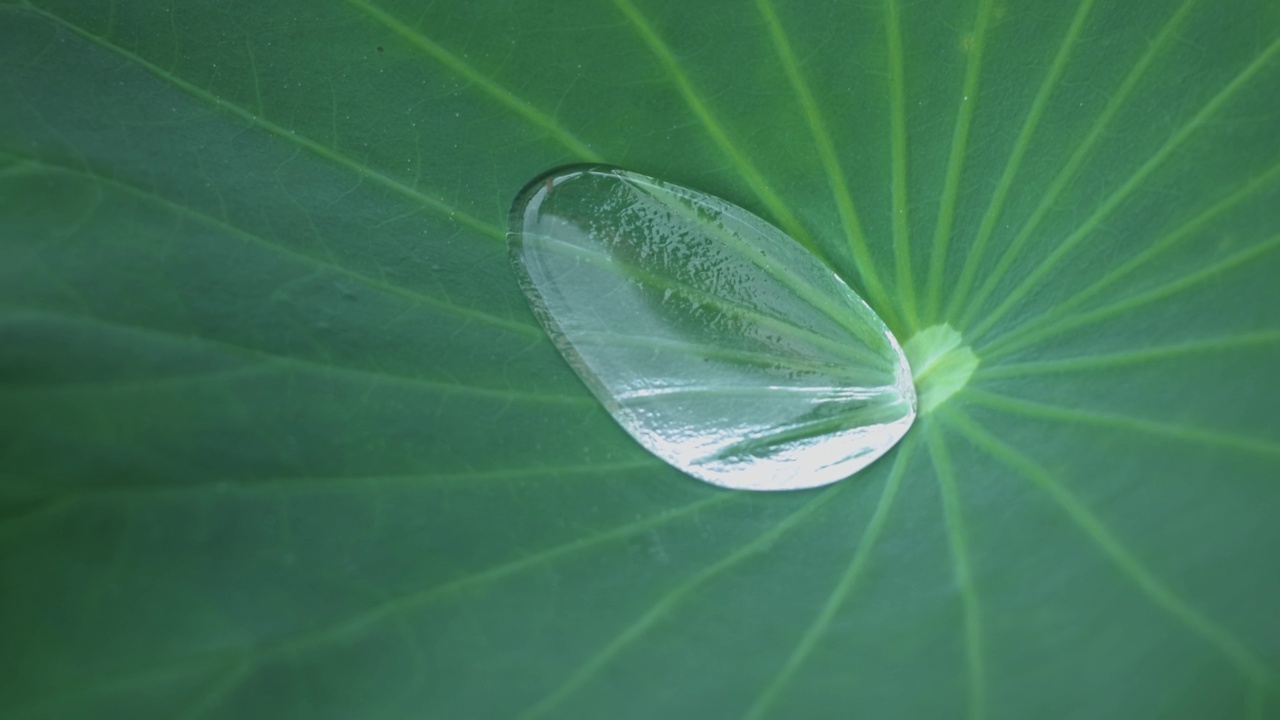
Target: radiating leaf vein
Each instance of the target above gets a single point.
(955, 162)
(1017, 340)
(975, 656)
(1069, 244)
(60, 500)
(713, 127)
(906, 291)
(303, 258)
(1084, 363)
(281, 132)
(1243, 658)
(843, 588)
(1064, 177)
(1030, 408)
(986, 227)
(863, 261)
(297, 646)
(667, 603)
(270, 360)
(209, 700)
(479, 79)
(1186, 230)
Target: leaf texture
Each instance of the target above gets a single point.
(280, 436)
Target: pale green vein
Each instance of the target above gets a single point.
(844, 586)
(270, 363)
(167, 382)
(359, 483)
(142, 681)
(303, 258)
(62, 501)
(898, 143)
(975, 663)
(359, 622)
(863, 260)
(217, 692)
(664, 605)
(280, 361)
(317, 149)
(1013, 342)
(955, 162)
(1164, 244)
(1064, 177)
(1164, 597)
(1166, 151)
(1020, 144)
(1085, 363)
(1028, 408)
(20, 168)
(713, 127)
(479, 79)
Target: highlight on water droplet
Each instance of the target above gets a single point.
(719, 343)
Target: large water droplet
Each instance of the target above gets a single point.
(718, 342)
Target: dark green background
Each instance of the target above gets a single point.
(280, 438)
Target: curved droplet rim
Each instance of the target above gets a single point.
(544, 183)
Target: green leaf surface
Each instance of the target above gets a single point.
(281, 437)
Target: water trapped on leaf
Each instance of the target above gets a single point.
(719, 343)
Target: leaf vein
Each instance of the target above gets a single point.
(1129, 565)
(1069, 244)
(1157, 248)
(863, 261)
(713, 127)
(955, 161)
(1133, 357)
(844, 586)
(975, 663)
(1028, 408)
(479, 79)
(303, 142)
(329, 264)
(898, 145)
(270, 360)
(987, 226)
(1009, 343)
(666, 604)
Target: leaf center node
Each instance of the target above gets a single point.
(940, 365)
